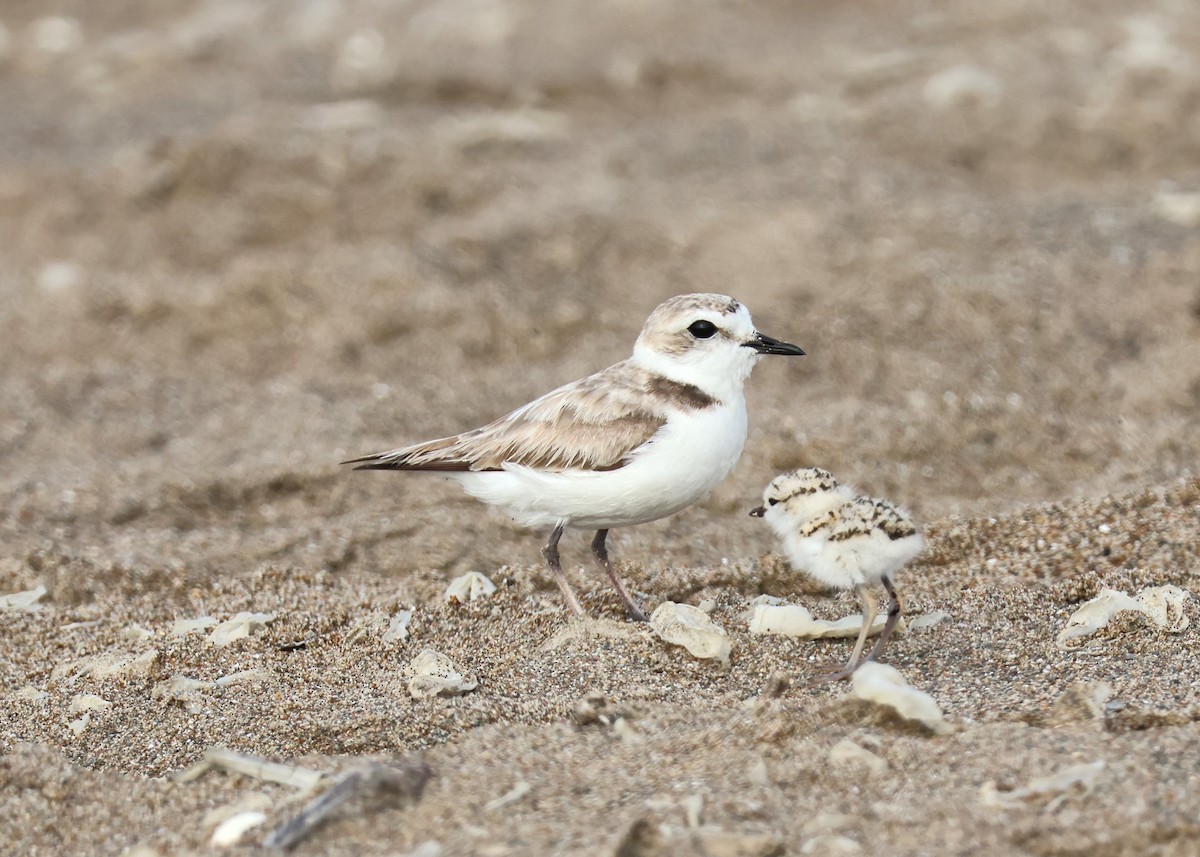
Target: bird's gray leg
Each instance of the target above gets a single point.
(870, 611)
(893, 616)
(601, 554)
(550, 553)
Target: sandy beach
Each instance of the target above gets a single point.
(242, 242)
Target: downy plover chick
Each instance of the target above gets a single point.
(632, 443)
(844, 541)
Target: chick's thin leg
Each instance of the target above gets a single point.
(870, 611)
(893, 616)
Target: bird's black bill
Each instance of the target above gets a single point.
(758, 511)
(764, 344)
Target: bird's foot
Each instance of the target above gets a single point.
(830, 673)
(636, 613)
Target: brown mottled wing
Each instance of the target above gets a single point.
(895, 525)
(861, 516)
(592, 424)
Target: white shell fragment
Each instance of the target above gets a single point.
(136, 633)
(231, 830)
(244, 677)
(1058, 787)
(625, 732)
(354, 114)
(468, 587)
(221, 759)
(884, 685)
(140, 665)
(927, 620)
(433, 674)
(513, 795)
(183, 627)
(27, 600)
(89, 702)
(397, 629)
(179, 688)
(105, 665)
(847, 753)
(1177, 207)
(528, 125)
(239, 627)
(961, 86)
(690, 627)
(829, 844)
(794, 620)
(1162, 605)
(1165, 607)
(587, 629)
(57, 34)
(251, 801)
(29, 693)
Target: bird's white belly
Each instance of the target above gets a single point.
(862, 559)
(681, 465)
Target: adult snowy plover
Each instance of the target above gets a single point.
(632, 443)
(844, 541)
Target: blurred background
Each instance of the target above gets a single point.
(241, 241)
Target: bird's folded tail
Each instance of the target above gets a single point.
(434, 455)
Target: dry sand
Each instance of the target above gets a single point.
(242, 241)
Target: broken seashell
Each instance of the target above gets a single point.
(927, 620)
(254, 800)
(468, 587)
(794, 620)
(89, 702)
(29, 693)
(690, 627)
(513, 795)
(625, 731)
(1058, 787)
(179, 688)
(829, 822)
(433, 674)
(221, 759)
(1162, 605)
(847, 752)
(239, 627)
(884, 685)
(104, 665)
(397, 629)
(244, 677)
(587, 629)
(231, 830)
(183, 627)
(828, 844)
(1083, 702)
(27, 600)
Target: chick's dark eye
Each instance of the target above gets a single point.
(772, 502)
(702, 329)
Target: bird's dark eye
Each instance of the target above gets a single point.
(772, 502)
(702, 329)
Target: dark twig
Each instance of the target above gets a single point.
(404, 781)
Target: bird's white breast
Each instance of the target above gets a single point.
(861, 559)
